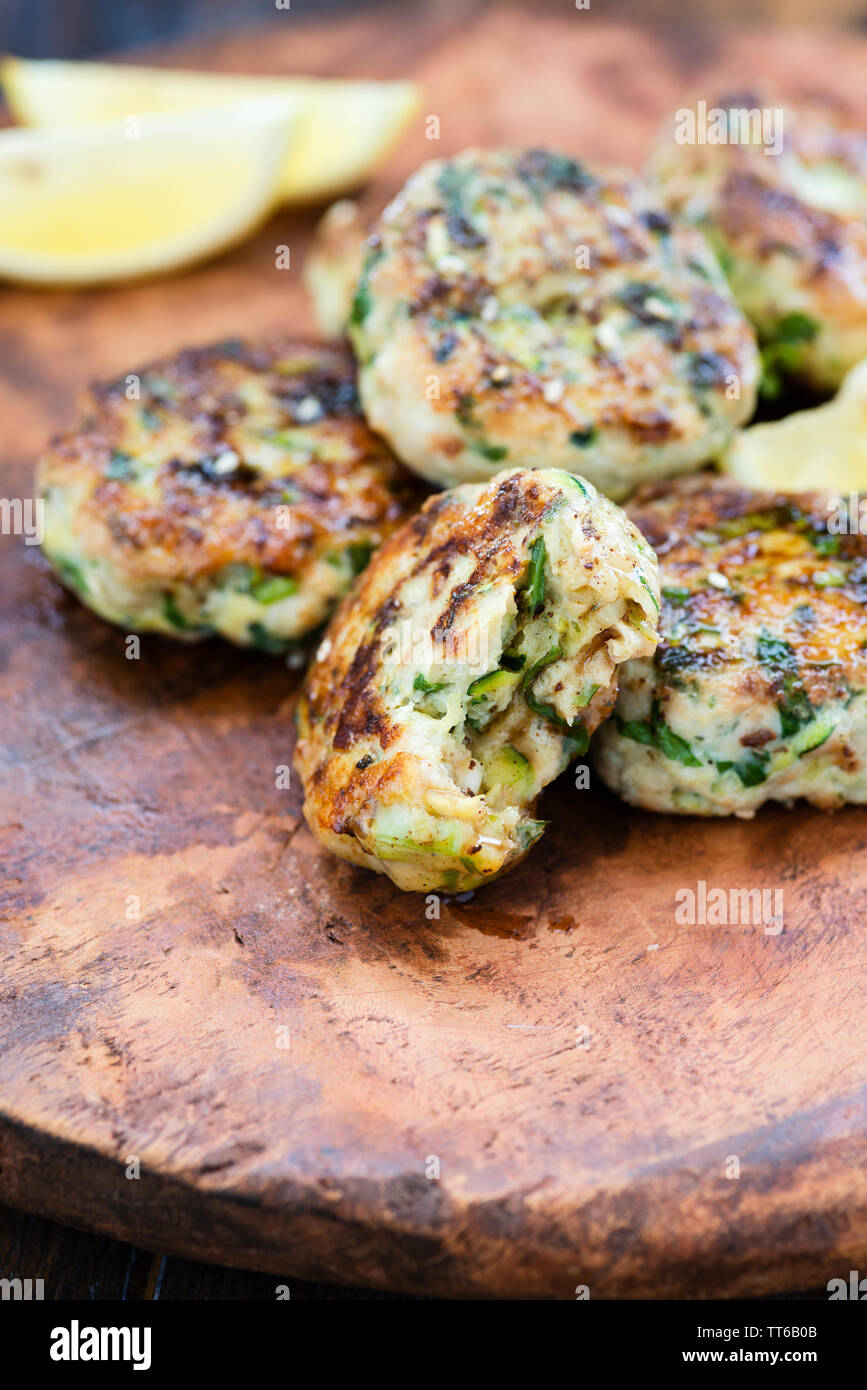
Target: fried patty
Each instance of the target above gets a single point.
(790, 230)
(470, 664)
(758, 689)
(520, 308)
(233, 489)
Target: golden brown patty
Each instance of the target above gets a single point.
(472, 661)
(520, 309)
(232, 489)
(758, 689)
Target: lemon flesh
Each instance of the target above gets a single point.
(823, 449)
(95, 205)
(345, 131)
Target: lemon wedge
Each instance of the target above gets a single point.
(87, 206)
(823, 449)
(346, 129)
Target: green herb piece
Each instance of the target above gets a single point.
(672, 746)
(777, 658)
(825, 544)
(362, 303)
(265, 641)
(173, 615)
(577, 732)
(120, 466)
(529, 832)
(581, 486)
(551, 655)
(425, 686)
(72, 575)
(782, 354)
(534, 592)
(796, 328)
(645, 585)
(494, 452)
(637, 730)
(512, 661)
(736, 526)
(657, 734)
(753, 769)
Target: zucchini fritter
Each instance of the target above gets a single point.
(238, 492)
(519, 308)
(758, 689)
(790, 230)
(469, 665)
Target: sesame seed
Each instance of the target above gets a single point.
(308, 410)
(718, 580)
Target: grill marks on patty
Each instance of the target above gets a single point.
(742, 568)
(444, 531)
(176, 466)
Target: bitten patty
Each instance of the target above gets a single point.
(521, 308)
(758, 689)
(790, 230)
(233, 489)
(471, 662)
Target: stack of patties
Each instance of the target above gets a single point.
(533, 333)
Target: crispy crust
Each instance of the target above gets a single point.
(374, 758)
(790, 228)
(756, 690)
(192, 519)
(518, 335)
(771, 569)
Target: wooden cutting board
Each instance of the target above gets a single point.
(551, 1086)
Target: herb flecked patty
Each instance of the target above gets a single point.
(758, 689)
(233, 489)
(470, 664)
(790, 230)
(522, 309)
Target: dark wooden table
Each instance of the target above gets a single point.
(76, 1265)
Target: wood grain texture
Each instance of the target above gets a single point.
(151, 783)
